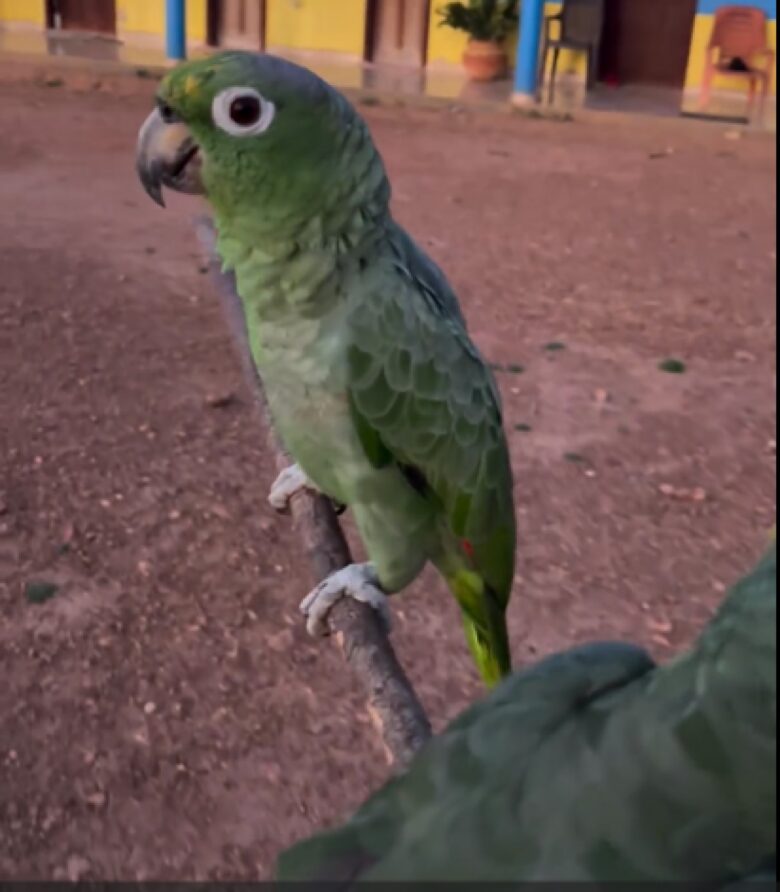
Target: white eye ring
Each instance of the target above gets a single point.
(221, 112)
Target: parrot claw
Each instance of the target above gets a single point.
(291, 481)
(357, 581)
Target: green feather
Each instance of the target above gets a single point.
(376, 452)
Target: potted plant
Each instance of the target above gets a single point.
(487, 23)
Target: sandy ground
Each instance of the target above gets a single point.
(164, 715)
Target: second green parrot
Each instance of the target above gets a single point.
(371, 378)
(594, 765)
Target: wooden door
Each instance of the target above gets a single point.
(84, 15)
(397, 31)
(647, 42)
(237, 23)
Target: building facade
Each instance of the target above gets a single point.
(393, 30)
(654, 42)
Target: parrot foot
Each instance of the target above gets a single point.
(358, 581)
(291, 481)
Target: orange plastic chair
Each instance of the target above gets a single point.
(738, 48)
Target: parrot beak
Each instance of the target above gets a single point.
(167, 155)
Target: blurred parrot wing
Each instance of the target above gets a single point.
(593, 764)
(406, 828)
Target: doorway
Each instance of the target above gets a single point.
(82, 15)
(397, 32)
(237, 23)
(646, 42)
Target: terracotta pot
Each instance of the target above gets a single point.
(484, 60)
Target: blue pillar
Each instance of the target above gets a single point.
(175, 33)
(526, 66)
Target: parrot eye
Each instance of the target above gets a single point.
(167, 113)
(242, 111)
(245, 110)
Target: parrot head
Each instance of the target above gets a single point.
(250, 130)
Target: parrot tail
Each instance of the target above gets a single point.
(485, 624)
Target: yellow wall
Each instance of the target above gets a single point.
(26, 12)
(336, 26)
(701, 37)
(148, 17)
(140, 16)
(446, 45)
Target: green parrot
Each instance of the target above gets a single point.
(593, 765)
(373, 384)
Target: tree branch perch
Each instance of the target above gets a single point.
(392, 701)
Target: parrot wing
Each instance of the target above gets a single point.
(426, 273)
(440, 819)
(593, 765)
(423, 398)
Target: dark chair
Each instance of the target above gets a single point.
(581, 23)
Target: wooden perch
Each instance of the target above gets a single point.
(392, 701)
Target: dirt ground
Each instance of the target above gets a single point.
(164, 715)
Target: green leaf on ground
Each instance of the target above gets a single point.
(672, 366)
(39, 591)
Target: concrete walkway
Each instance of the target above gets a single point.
(449, 83)
(438, 84)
